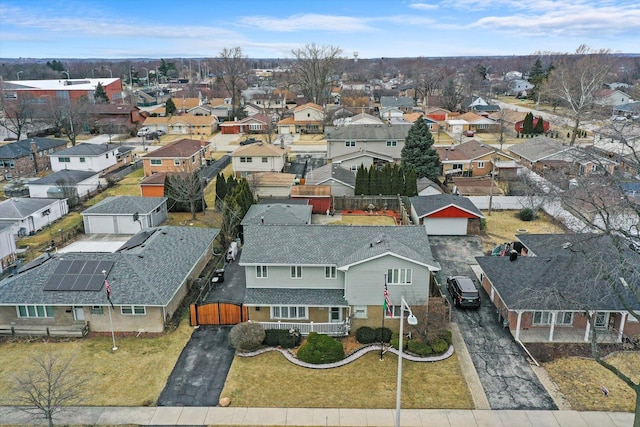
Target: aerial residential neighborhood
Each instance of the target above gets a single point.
(253, 236)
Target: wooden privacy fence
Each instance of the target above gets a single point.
(218, 313)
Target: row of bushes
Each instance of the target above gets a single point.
(368, 335)
(438, 345)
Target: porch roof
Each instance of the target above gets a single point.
(309, 297)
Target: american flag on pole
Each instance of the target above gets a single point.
(108, 289)
(387, 302)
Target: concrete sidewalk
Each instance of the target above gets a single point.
(320, 417)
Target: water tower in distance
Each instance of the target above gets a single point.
(355, 56)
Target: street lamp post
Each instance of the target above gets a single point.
(412, 320)
(18, 74)
(110, 73)
(147, 70)
(113, 335)
(67, 73)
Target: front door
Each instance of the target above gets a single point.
(78, 313)
(335, 315)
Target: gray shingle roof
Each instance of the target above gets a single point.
(357, 132)
(22, 148)
(91, 150)
(308, 297)
(331, 171)
(396, 101)
(538, 148)
(332, 245)
(22, 207)
(149, 274)
(278, 214)
(67, 175)
(126, 205)
(426, 205)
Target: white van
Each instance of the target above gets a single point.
(144, 131)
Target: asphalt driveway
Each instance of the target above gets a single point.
(233, 288)
(201, 370)
(503, 369)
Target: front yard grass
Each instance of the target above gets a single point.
(581, 379)
(364, 383)
(133, 375)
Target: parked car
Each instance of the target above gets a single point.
(463, 291)
(144, 131)
(618, 118)
(160, 132)
(249, 141)
(469, 133)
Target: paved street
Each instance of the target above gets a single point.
(506, 376)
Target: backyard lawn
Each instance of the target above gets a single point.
(581, 379)
(133, 375)
(502, 226)
(365, 383)
(365, 220)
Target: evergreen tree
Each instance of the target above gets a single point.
(231, 184)
(243, 196)
(397, 180)
(362, 180)
(170, 107)
(527, 125)
(100, 95)
(385, 180)
(418, 151)
(374, 180)
(221, 189)
(539, 127)
(410, 183)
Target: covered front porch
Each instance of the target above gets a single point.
(333, 329)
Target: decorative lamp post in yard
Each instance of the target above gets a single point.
(108, 289)
(412, 320)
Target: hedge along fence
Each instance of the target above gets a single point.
(399, 204)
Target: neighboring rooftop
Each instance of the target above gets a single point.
(126, 205)
(278, 214)
(366, 132)
(22, 207)
(22, 148)
(67, 176)
(92, 150)
(426, 205)
(180, 149)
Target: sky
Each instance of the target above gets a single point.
(272, 28)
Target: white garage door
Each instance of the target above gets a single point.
(100, 225)
(446, 226)
(284, 130)
(126, 225)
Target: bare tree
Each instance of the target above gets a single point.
(574, 81)
(234, 65)
(46, 384)
(17, 114)
(452, 96)
(186, 188)
(68, 191)
(312, 70)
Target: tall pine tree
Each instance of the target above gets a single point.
(221, 189)
(100, 95)
(410, 183)
(418, 151)
(385, 180)
(362, 181)
(397, 180)
(539, 127)
(527, 125)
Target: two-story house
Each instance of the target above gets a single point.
(471, 158)
(368, 145)
(28, 157)
(331, 278)
(185, 124)
(307, 118)
(258, 157)
(184, 155)
(92, 157)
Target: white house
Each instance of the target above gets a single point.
(28, 215)
(258, 157)
(7, 245)
(124, 215)
(64, 183)
(91, 157)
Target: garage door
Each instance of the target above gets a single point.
(446, 226)
(284, 130)
(100, 225)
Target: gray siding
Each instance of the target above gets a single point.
(280, 277)
(365, 282)
(338, 148)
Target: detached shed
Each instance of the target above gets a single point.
(446, 214)
(125, 215)
(318, 196)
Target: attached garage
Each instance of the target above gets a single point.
(446, 215)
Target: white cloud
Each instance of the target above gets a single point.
(307, 22)
(423, 6)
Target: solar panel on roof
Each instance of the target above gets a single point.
(78, 275)
(137, 240)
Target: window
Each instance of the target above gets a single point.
(82, 160)
(395, 311)
(133, 310)
(392, 143)
(156, 162)
(106, 156)
(96, 309)
(265, 159)
(399, 276)
(329, 272)
(354, 168)
(296, 272)
(360, 311)
(35, 311)
(285, 312)
(64, 159)
(255, 126)
(349, 143)
(480, 165)
(544, 318)
(457, 166)
(193, 159)
(602, 319)
(246, 159)
(176, 162)
(262, 272)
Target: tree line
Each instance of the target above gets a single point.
(386, 180)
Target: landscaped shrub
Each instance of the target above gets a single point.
(246, 336)
(383, 334)
(288, 340)
(282, 337)
(272, 337)
(419, 348)
(320, 349)
(366, 335)
(446, 335)
(395, 342)
(527, 214)
(439, 346)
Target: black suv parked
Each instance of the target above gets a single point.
(463, 291)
